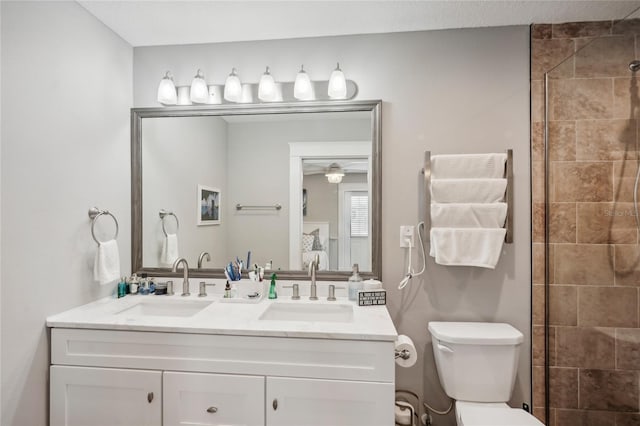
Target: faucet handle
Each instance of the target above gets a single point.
(332, 293)
(296, 291)
(170, 288)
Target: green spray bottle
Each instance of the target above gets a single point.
(272, 289)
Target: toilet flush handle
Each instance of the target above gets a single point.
(444, 348)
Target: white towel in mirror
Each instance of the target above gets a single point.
(106, 266)
(468, 190)
(169, 252)
(468, 215)
(479, 247)
(468, 166)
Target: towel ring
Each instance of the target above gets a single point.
(94, 214)
(163, 213)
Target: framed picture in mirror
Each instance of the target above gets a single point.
(208, 205)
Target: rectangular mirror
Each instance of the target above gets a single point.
(285, 182)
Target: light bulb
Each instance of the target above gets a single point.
(267, 87)
(199, 92)
(233, 87)
(167, 94)
(335, 173)
(337, 84)
(302, 89)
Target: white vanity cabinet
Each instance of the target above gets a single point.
(104, 377)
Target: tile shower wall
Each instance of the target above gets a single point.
(594, 273)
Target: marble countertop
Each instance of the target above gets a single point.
(228, 317)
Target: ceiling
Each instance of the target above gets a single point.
(161, 22)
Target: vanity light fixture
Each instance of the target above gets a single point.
(337, 84)
(199, 92)
(334, 173)
(267, 87)
(233, 87)
(167, 94)
(302, 88)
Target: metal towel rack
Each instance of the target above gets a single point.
(94, 214)
(163, 214)
(426, 171)
(269, 207)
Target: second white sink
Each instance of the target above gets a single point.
(164, 308)
(308, 312)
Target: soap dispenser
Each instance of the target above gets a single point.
(272, 289)
(355, 283)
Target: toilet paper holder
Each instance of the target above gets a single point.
(404, 353)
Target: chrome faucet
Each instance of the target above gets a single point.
(185, 269)
(201, 257)
(313, 268)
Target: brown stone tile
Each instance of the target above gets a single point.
(538, 304)
(624, 176)
(604, 223)
(627, 265)
(627, 419)
(537, 141)
(604, 56)
(584, 418)
(608, 307)
(628, 349)
(563, 387)
(562, 222)
(585, 347)
(580, 99)
(563, 305)
(537, 190)
(626, 98)
(540, 31)
(627, 26)
(581, 29)
(582, 182)
(606, 140)
(556, 55)
(583, 264)
(537, 101)
(538, 263)
(538, 386)
(537, 217)
(609, 390)
(562, 140)
(552, 263)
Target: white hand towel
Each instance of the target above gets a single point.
(169, 250)
(468, 190)
(479, 247)
(468, 215)
(106, 266)
(468, 166)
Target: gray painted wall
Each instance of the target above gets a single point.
(66, 94)
(453, 91)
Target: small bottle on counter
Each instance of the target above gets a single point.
(355, 283)
(227, 291)
(122, 287)
(273, 294)
(133, 284)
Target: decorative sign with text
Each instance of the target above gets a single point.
(372, 298)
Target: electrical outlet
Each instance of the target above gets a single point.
(406, 236)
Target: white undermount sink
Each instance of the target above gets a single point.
(164, 308)
(308, 312)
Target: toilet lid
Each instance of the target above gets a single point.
(479, 414)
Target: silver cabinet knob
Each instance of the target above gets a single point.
(275, 404)
(150, 397)
(212, 410)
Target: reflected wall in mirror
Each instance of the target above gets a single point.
(258, 157)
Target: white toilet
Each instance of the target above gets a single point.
(477, 365)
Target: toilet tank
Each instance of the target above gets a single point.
(476, 361)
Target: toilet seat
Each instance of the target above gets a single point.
(492, 414)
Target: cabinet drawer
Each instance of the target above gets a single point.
(212, 399)
(272, 356)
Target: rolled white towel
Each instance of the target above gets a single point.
(169, 252)
(468, 215)
(106, 265)
(468, 190)
(480, 247)
(468, 166)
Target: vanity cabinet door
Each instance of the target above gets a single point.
(314, 402)
(82, 396)
(213, 399)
